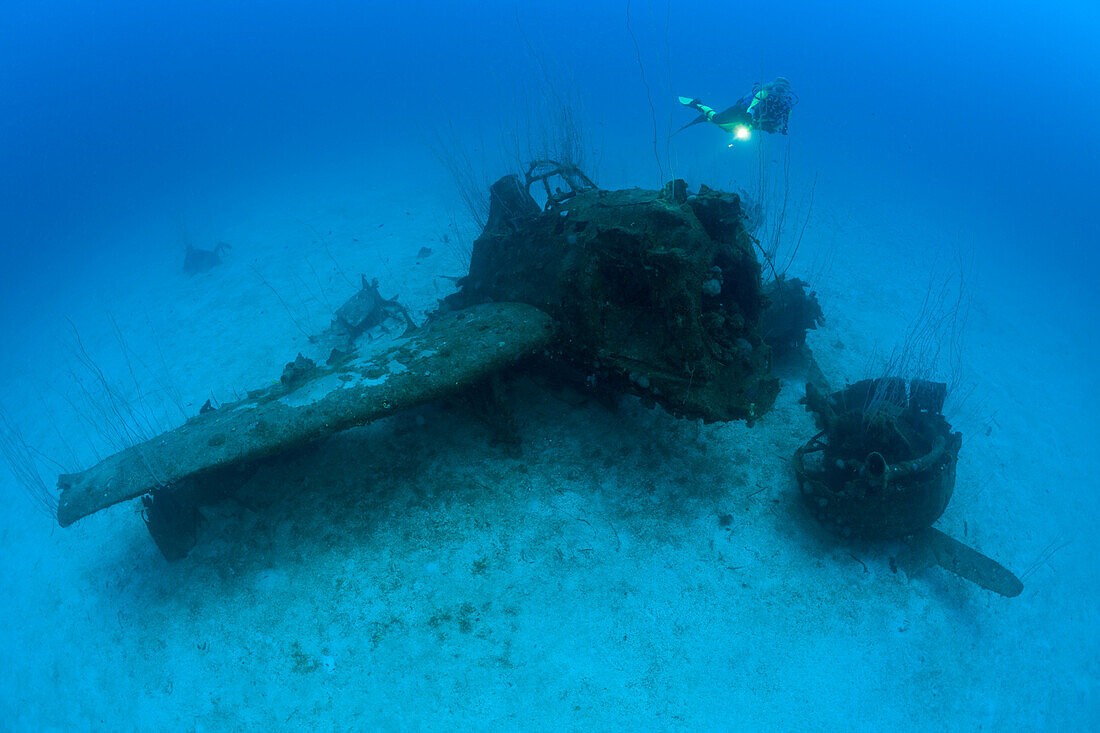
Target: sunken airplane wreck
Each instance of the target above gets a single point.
(653, 293)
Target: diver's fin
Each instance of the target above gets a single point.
(696, 105)
(696, 121)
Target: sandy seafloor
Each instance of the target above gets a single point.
(411, 575)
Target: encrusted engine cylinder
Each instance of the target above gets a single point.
(883, 465)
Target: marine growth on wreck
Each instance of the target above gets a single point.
(658, 294)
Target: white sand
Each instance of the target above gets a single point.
(409, 575)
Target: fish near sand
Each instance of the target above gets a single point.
(203, 260)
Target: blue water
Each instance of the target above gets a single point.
(128, 130)
(111, 109)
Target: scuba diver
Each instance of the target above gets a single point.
(767, 108)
